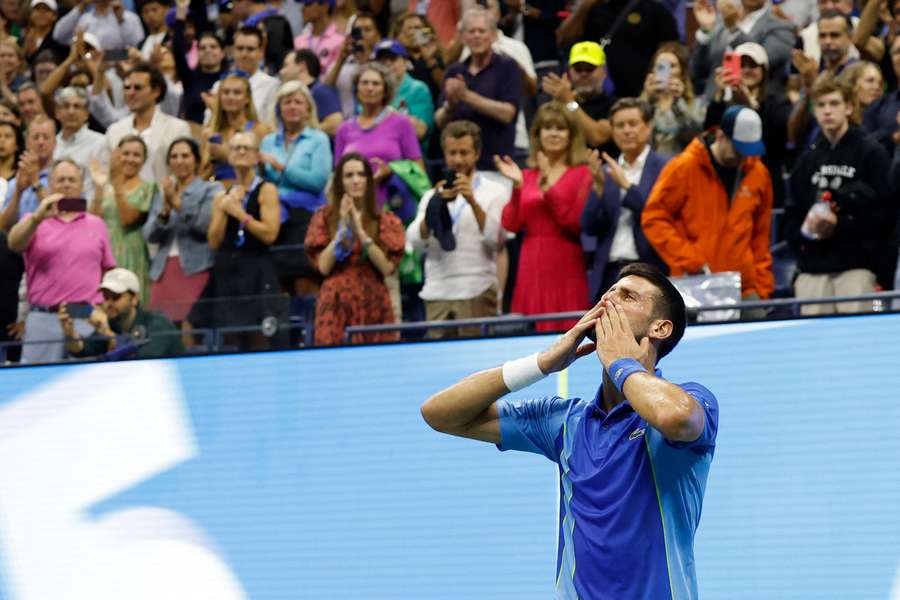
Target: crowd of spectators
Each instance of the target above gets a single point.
(228, 165)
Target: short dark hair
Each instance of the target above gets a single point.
(251, 30)
(309, 58)
(669, 304)
(157, 80)
(836, 14)
(46, 56)
(626, 103)
(460, 129)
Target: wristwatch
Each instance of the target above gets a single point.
(572, 106)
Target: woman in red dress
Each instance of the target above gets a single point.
(546, 204)
(355, 248)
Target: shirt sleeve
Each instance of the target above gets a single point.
(710, 407)
(532, 425)
(409, 143)
(327, 101)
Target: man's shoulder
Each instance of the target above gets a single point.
(154, 320)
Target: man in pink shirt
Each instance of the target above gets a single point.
(66, 252)
(320, 33)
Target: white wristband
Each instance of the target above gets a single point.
(522, 372)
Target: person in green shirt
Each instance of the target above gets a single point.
(412, 96)
(122, 329)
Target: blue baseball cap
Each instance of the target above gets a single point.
(330, 3)
(743, 127)
(392, 46)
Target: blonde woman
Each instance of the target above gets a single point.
(547, 201)
(232, 112)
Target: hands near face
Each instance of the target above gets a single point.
(615, 337)
(559, 87)
(28, 170)
(509, 169)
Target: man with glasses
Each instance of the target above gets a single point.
(144, 88)
(581, 91)
(122, 329)
(75, 139)
(66, 251)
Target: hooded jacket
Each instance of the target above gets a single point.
(692, 220)
(855, 171)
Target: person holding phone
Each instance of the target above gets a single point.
(355, 52)
(66, 253)
(115, 27)
(418, 36)
(677, 114)
(121, 325)
(457, 228)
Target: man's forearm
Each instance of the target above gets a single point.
(501, 111)
(665, 406)
(21, 233)
(455, 408)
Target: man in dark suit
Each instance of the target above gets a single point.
(613, 210)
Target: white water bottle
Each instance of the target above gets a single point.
(821, 209)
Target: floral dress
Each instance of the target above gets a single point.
(354, 292)
(128, 244)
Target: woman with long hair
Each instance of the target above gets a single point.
(547, 201)
(177, 223)
(865, 79)
(677, 113)
(355, 246)
(233, 112)
(123, 199)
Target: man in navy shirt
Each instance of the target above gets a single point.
(485, 89)
(633, 461)
(303, 65)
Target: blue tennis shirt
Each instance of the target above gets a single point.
(630, 499)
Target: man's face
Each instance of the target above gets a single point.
(395, 64)
(314, 11)
(478, 35)
(636, 297)
(72, 113)
(290, 68)
(41, 140)
(834, 39)
(629, 130)
(241, 9)
(116, 305)
(66, 180)
(587, 79)
(460, 154)
(209, 53)
(832, 111)
(42, 70)
(842, 6)
(248, 53)
(41, 16)
(139, 95)
(153, 15)
(30, 104)
(728, 156)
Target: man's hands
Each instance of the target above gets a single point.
(615, 338)
(705, 15)
(559, 87)
(461, 186)
(27, 172)
(568, 348)
(46, 207)
(732, 12)
(455, 89)
(806, 66)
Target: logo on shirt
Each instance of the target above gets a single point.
(636, 433)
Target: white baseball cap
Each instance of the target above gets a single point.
(51, 4)
(755, 52)
(119, 281)
(91, 40)
(744, 128)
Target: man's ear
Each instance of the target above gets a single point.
(660, 329)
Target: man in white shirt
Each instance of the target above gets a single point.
(248, 56)
(75, 140)
(145, 86)
(460, 283)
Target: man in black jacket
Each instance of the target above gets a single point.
(839, 211)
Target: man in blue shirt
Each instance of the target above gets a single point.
(633, 461)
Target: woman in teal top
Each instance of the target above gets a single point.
(296, 158)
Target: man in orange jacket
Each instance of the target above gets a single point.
(711, 208)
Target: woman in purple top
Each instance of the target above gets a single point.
(379, 133)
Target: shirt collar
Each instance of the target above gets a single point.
(750, 19)
(75, 136)
(638, 162)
